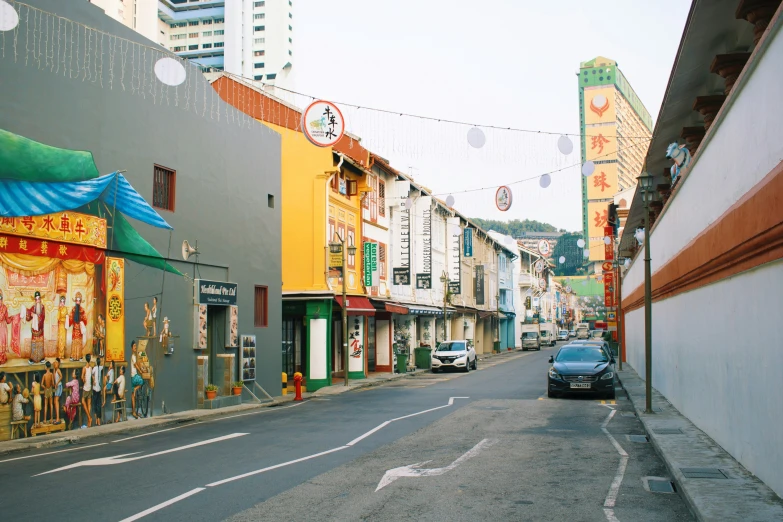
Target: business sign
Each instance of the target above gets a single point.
(479, 284)
(467, 242)
(539, 266)
(402, 276)
(370, 264)
(322, 123)
(248, 360)
(455, 287)
(609, 249)
(424, 281)
(544, 248)
(336, 260)
(503, 198)
(115, 309)
(542, 283)
(453, 251)
(65, 227)
(216, 293)
(426, 234)
(608, 289)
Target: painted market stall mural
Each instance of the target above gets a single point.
(62, 309)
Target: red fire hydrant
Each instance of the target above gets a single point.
(298, 386)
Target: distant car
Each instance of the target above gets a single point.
(580, 369)
(455, 355)
(530, 340)
(562, 335)
(571, 334)
(596, 334)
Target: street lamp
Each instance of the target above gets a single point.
(338, 247)
(445, 280)
(645, 184)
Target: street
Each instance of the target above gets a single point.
(488, 445)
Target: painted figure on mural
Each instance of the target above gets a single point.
(5, 320)
(165, 334)
(58, 389)
(35, 390)
(148, 321)
(76, 318)
(99, 336)
(47, 383)
(62, 325)
(36, 317)
(154, 316)
(72, 401)
(87, 390)
(20, 399)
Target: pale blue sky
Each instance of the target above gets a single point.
(510, 63)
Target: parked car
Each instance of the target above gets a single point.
(571, 334)
(455, 355)
(581, 369)
(531, 340)
(562, 335)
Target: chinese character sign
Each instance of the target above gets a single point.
(67, 227)
(603, 184)
(601, 144)
(323, 124)
(599, 105)
(115, 309)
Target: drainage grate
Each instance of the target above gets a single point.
(637, 438)
(660, 486)
(667, 431)
(705, 473)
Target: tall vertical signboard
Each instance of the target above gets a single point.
(479, 285)
(453, 254)
(424, 278)
(370, 264)
(115, 309)
(467, 241)
(402, 273)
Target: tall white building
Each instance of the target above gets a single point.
(250, 38)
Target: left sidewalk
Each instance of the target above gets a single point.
(163, 421)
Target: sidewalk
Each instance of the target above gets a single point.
(713, 484)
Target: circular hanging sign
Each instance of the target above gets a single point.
(542, 283)
(539, 266)
(322, 123)
(607, 266)
(503, 198)
(544, 247)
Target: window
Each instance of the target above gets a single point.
(219, 20)
(258, 77)
(259, 28)
(259, 16)
(290, 28)
(259, 4)
(258, 66)
(178, 48)
(290, 40)
(178, 36)
(382, 259)
(290, 15)
(258, 41)
(261, 318)
(178, 24)
(193, 24)
(219, 32)
(207, 22)
(193, 35)
(270, 201)
(271, 76)
(381, 198)
(218, 44)
(290, 53)
(206, 46)
(164, 184)
(192, 47)
(258, 53)
(206, 33)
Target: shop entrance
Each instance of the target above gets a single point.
(294, 357)
(371, 349)
(216, 338)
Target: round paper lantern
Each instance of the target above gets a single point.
(170, 71)
(587, 168)
(449, 200)
(545, 180)
(607, 240)
(586, 253)
(562, 259)
(408, 203)
(580, 243)
(565, 145)
(9, 18)
(476, 137)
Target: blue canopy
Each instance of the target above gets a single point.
(20, 198)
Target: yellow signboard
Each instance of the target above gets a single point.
(66, 227)
(597, 213)
(115, 309)
(601, 143)
(599, 105)
(603, 183)
(335, 260)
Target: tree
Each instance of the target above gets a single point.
(566, 247)
(515, 227)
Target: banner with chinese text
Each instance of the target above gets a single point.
(599, 105)
(603, 184)
(115, 309)
(601, 143)
(597, 214)
(66, 227)
(55, 250)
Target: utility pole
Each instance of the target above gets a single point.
(345, 315)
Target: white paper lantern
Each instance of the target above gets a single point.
(170, 71)
(408, 203)
(545, 180)
(587, 168)
(449, 201)
(627, 263)
(586, 253)
(476, 137)
(565, 145)
(580, 243)
(562, 260)
(607, 240)
(9, 18)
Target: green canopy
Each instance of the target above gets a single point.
(24, 159)
(126, 241)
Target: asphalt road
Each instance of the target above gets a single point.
(490, 444)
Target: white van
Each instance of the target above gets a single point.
(548, 335)
(582, 331)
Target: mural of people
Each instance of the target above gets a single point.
(99, 336)
(58, 389)
(5, 320)
(154, 316)
(76, 318)
(47, 383)
(35, 389)
(148, 321)
(20, 399)
(165, 334)
(62, 325)
(72, 401)
(36, 316)
(16, 334)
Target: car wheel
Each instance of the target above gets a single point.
(475, 363)
(467, 367)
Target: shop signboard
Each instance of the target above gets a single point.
(370, 263)
(65, 227)
(468, 242)
(248, 357)
(424, 281)
(402, 276)
(115, 309)
(479, 289)
(216, 293)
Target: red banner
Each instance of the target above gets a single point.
(609, 249)
(53, 249)
(608, 289)
(608, 271)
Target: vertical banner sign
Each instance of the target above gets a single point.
(402, 273)
(115, 309)
(376, 275)
(426, 234)
(479, 286)
(367, 264)
(609, 249)
(453, 255)
(468, 242)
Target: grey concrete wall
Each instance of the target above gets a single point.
(224, 174)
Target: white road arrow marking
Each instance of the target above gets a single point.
(121, 459)
(414, 470)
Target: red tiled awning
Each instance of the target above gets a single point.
(357, 305)
(396, 309)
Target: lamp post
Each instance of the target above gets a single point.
(445, 280)
(645, 183)
(338, 247)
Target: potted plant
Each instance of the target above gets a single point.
(211, 391)
(236, 388)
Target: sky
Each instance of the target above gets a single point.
(508, 63)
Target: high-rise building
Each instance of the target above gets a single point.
(250, 38)
(615, 129)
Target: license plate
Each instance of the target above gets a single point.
(580, 385)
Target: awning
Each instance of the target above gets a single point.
(424, 310)
(396, 308)
(357, 305)
(483, 314)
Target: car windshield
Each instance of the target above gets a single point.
(529, 335)
(452, 347)
(563, 332)
(592, 354)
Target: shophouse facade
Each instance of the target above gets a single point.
(223, 203)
